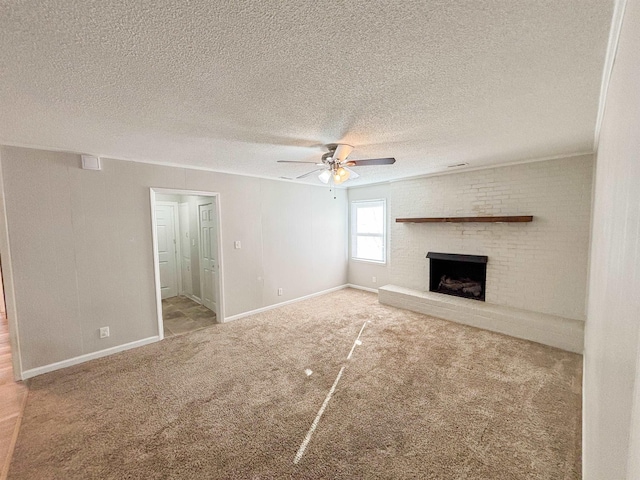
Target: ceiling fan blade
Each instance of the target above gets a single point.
(342, 152)
(370, 161)
(296, 161)
(310, 173)
(352, 175)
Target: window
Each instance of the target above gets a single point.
(368, 231)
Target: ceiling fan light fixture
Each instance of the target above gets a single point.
(340, 175)
(325, 176)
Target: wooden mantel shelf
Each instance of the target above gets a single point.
(509, 218)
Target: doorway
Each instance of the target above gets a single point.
(6, 359)
(12, 393)
(187, 260)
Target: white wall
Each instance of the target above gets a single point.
(163, 197)
(539, 266)
(612, 345)
(81, 249)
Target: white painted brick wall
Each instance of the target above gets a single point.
(539, 266)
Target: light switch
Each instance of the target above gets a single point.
(236, 244)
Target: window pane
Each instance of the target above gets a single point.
(370, 248)
(370, 219)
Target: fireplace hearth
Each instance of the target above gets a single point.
(458, 275)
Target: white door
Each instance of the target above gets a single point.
(185, 250)
(167, 259)
(208, 255)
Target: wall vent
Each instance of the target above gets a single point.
(90, 162)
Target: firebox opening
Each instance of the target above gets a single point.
(458, 275)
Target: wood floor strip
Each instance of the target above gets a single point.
(14, 436)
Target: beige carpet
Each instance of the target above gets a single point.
(420, 398)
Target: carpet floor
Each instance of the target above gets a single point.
(419, 398)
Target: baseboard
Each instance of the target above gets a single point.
(359, 287)
(564, 333)
(86, 357)
(192, 297)
(282, 304)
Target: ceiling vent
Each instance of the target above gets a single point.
(458, 165)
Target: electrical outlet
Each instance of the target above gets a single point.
(280, 292)
(237, 245)
(104, 332)
(374, 279)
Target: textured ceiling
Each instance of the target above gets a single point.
(234, 86)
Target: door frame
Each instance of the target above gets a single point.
(220, 314)
(176, 236)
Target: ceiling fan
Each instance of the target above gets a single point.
(335, 166)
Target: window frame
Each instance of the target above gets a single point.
(355, 204)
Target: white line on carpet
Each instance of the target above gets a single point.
(357, 342)
(314, 424)
(307, 438)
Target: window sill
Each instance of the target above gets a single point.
(363, 260)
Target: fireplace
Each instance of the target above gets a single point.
(458, 275)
